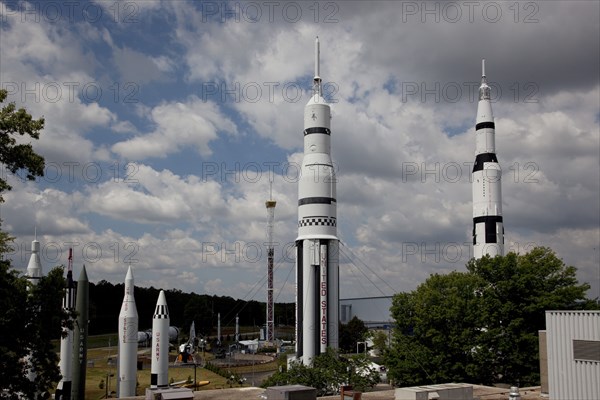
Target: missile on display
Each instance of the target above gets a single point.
(63, 389)
(81, 337)
(488, 225)
(34, 274)
(34, 268)
(128, 340)
(317, 244)
(159, 371)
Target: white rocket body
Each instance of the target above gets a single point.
(128, 340)
(34, 268)
(488, 226)
(159, 370)
(66, 365)
(317, 266)
(34, 273)
(63, 389)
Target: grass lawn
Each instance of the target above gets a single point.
(99, 367)
(102, 361)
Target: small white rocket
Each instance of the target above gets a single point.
(488, 227)
(63, 389)
(128, 340)
(317, 245)
(34, 274)
(34, 268)
(159, 371)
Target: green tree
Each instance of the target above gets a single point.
(32, 316)
(481, 326)
(380, 341)
(518, 289)
(197, 309)
(18, 157)
(351, 333)
(435, 330)
(328, 372)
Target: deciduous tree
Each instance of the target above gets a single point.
(32, 316)
(481, 326)
(16, 157)
(328, 372)
(351, 333)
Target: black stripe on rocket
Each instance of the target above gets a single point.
(162, 312)
(483, 125)
(299, 305)
(490, 222)
(483, 158)
(317, 129)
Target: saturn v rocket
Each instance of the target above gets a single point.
(488, 227)
(317, 245)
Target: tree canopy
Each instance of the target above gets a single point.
(328, 373)
(18, 157)
(351, 333)
(481, 326)
(32, 314)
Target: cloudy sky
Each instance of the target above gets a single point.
(166, 121)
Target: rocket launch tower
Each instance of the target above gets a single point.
(488, 228)
(270, 204)
(317, 245)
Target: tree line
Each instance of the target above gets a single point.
(106, 299)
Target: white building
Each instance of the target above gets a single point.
(573, 351)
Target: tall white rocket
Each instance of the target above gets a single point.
(128, 340)
(159, 368)
(488, 228)
(63, 389)
(34, 274)
(317, 245)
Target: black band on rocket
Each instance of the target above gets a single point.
(318, 129)
(316, 200)
(488, 219)
(483, 125)
(483, 158)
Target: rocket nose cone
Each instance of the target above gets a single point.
(83, 275)
(129, 275)
(162, 300)
(162, 310)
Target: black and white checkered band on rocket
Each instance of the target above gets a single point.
(161, 312)
(317, 221)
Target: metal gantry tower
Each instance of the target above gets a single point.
(270, 255)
